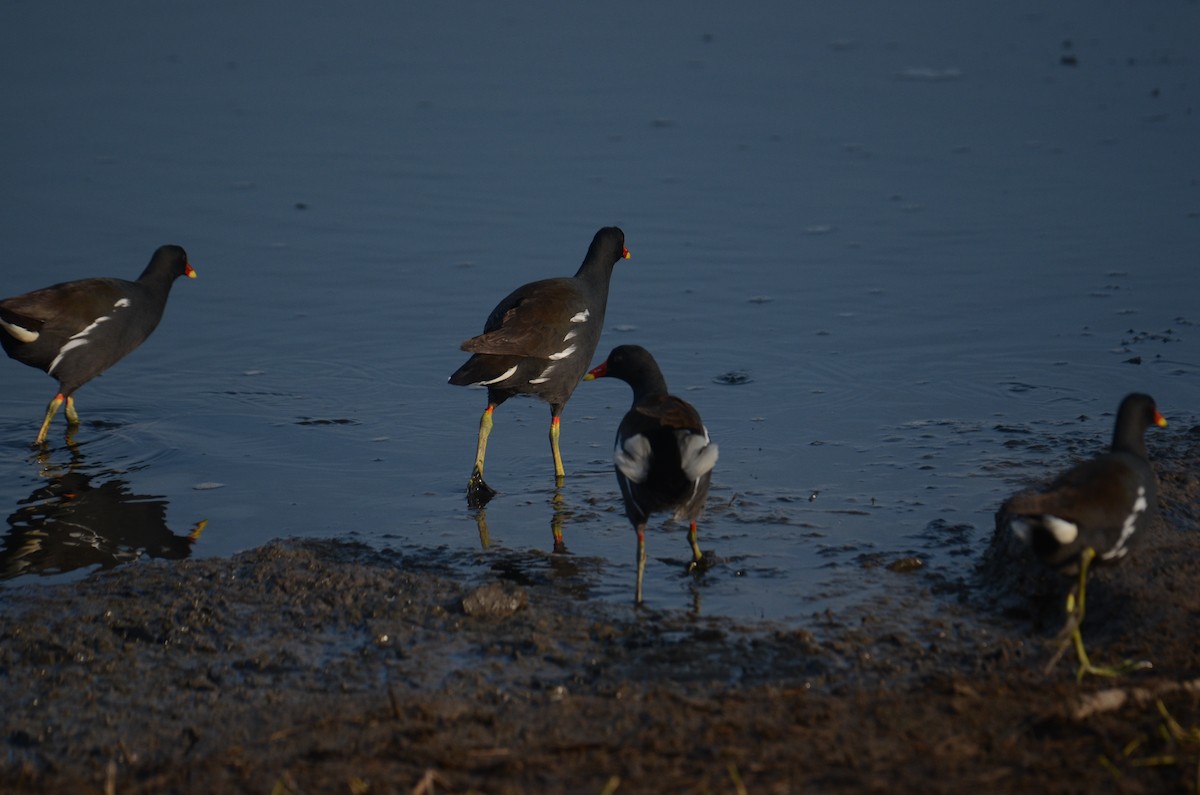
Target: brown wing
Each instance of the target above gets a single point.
(671, 412)
(532, 321)
(1089, 495)
(65, 308)
(1038, 503)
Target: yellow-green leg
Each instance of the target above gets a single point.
(194, 536)
(51, 410)
(478, 492)
(485, 430)
(697, 555)
(72, 415)
(559, 473)
(641, 562)
(1075, 612)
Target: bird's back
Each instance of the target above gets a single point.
(107, 317)
(1099, 503)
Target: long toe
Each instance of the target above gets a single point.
(479, 493)
(1124, 668)
(1087, 667)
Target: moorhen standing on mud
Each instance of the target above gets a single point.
(1092, 510)
(663, 456)
(76, 330)
(539, 341)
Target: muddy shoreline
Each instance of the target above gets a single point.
(322, 666)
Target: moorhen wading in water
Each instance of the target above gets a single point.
(538, 341)
(663, 456)
(1092, 511)
(76, 330)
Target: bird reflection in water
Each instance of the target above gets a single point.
(558, 517)
(77, 519)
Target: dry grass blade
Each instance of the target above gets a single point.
(739, 786)
(427, 783)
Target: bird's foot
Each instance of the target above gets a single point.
(701, 564)
(1087, 667)
(1121, 669)
(194, 536)
(479, 493)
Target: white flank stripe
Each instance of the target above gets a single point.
(563, 353)
(80, 338)
(71, 345)
(1139, 506)
(77, 339)
(1115, 552)
(21, 334)
(570, 335)
(544, 377)
(503, 376)
(95, 324)
(581, 317)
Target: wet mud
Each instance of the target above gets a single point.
(305, 667)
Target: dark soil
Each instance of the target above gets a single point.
(315, 667)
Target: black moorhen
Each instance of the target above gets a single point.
(663, 456)
(538, 341)
(76, 330)
(1092, 510)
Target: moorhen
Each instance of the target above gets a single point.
(1093, 510)
(538, 341)
(76, 330)
(663, 456)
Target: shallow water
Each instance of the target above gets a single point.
(928, 244)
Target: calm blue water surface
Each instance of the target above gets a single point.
(927, 241)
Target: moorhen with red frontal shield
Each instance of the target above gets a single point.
(1092, 512)
(76, 330)
(539, 341)
(663, 456)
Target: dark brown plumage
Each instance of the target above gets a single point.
(538, 341)
(663, 456)
(76, 330)
(1101, 503)
(1094, 510)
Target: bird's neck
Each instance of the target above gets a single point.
(650, 384)
(596, 275)
(1126, 441)
(157, 281)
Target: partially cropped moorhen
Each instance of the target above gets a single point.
(663, 456)
(1093, 510)
(538, 341)
(76, 330)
